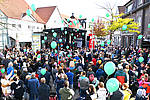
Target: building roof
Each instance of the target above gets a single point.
(45, 12)
(16, 9)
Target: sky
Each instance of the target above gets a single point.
(86, 8)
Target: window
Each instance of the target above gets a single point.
(13, 25)
(139, 20)
(29, 26)
(19, 25)
(129, 8)
(140, 2)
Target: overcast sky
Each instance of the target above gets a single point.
(87, 8)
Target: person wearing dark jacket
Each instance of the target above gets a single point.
(43, 90)
(121, 75)
(117, 95)
(33, 85)
(46, 76)
(100, 72)
(17, 87)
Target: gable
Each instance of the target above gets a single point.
(55, 20)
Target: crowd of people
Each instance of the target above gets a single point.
(29, 75)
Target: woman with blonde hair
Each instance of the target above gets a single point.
(101, 93)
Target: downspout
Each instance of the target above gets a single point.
(143, 23)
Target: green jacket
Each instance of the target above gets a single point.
(66, 93)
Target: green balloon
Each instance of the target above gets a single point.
(77, 29)
(112, 85)
(52, 30)
(62, 28)
(68, 55)
(68, 20)
(92, 19)
(73, 43)
(66, 25)
(43, 41)
(74, 37)
(28, 12)
(80, 16)
(140, 36)
(82, 33)
(55, 51)
(80, 26)
(3, 70)
(109, 68)
(72, 34)
(33, 7)
(65, 32)
(39, 56)
(54, 34)
(77, 21)
(45, 37)
(74, 22)
(67, 47)
(62, 21)
(70, 23)
(53, 44)
(102, 44)
(124, 27)
(108, 41)
(60, 40)
(43, 71)
(148, 25)
(141, 59)
(107, 15)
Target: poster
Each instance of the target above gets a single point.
(36, 42)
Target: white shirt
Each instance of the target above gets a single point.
(101, 94)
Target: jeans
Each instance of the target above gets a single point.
(82, 92)
(71, 86)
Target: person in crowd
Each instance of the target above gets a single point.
(17, 88)
(117, 95)
(33, 85)
(43, 90)
(101, 92)
(10, 69)
(121, 75)
(70, 76)
(100, 72)
(66, 93)
(91, 93)
(84, 84)
(126, 91)
(59, 84)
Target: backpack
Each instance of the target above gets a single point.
(91, 77)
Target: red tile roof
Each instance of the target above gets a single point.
(16, 8)
(45, 12)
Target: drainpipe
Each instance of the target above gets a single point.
(143, 22)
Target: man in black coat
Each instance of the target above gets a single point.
(44, 90)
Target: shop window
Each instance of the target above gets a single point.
(13, 25)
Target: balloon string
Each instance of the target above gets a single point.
(106, 79)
